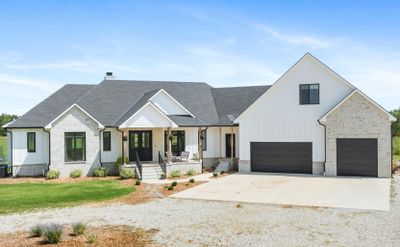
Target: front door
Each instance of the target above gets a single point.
(228, 146)
(140, 141)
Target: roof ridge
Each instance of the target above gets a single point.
(133, 104)
(241, 87)
(193, 82)
(78, 99)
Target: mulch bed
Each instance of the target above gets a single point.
(106, 236)
(179, 187)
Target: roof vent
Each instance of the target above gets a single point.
(109, 76)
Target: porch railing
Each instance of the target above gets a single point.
(139, 165)
(162, 163)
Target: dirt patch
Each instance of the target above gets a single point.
(105, 236)
(179, 187)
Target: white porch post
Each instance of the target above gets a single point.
(220, 142)
(200, 145)
(169, 145)
(232, 144)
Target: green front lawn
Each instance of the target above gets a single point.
(29, 196)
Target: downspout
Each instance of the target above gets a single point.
(324, 143)
(100, 131)
(48, 165)
(12, 151)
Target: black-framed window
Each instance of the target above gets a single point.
(31, 142)
(106, 141)
(204, 139)
(75, 146)
(309, 94)
(178, 141)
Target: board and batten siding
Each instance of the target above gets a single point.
(166, 104)
(20, 154)
(116, 146)
(277, 115)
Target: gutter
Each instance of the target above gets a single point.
(12, 151)
(48, 165)
(324, 144)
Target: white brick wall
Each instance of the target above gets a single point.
(74, 121)
(359, 118)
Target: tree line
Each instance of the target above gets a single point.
(5, 118)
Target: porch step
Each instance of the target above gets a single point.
(151, 172)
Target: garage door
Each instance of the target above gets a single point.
(285, 157)
(357, 157)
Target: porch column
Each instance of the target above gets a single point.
(232, 144)
(220, 142)
(169, 145)
(200, 144)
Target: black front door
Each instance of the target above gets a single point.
(140, 141)
(228, 146)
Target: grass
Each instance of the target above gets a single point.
(396, 148)
(3, 147)
(29, 196)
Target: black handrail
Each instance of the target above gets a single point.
(162, 163)
(139, 165)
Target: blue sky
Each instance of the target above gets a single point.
(46, 44)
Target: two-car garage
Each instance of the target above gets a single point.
(355, 157)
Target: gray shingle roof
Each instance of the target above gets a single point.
(112, 102)
(234, 100)
(51, 107)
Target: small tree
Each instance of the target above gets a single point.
(396, 125)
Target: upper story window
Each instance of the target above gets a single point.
(31, 142)
(309, 94)
(204, 139)
(106, 141)
(75, 146)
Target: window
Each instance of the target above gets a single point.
(204, 139)
(309, 94)
(106, 141)
(178, 141)
(31, 142)
(75, 146)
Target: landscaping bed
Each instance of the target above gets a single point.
(179, 187)
(101, 236)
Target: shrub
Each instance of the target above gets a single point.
(176, 173)
(222, 172)
(37, 231)
(100, 172)
(190, 172)
(137, 182)
(53, 174)
(92, 238)
(78, 228)
(75, 174)
(215, 174)
(162, 176)
(191, 180)
(126, 173)
(170, 187)
(119, 161)
(53, 233)
(174, 183)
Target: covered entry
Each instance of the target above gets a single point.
(281, 157)
(357, 157)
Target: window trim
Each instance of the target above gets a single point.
(65, 147)
(204, 139)
(109, 141)
(34, 142)
(309, 84)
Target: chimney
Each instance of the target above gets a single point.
(109, 76)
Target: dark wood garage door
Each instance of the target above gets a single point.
(357, 157)
(285, 157)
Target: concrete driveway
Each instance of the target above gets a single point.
(301, 190)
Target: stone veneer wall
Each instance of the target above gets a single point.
(74, 121)
(359, 118)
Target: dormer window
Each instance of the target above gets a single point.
(309, 94)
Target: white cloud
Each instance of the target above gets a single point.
(66, 65)
(28, 82)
